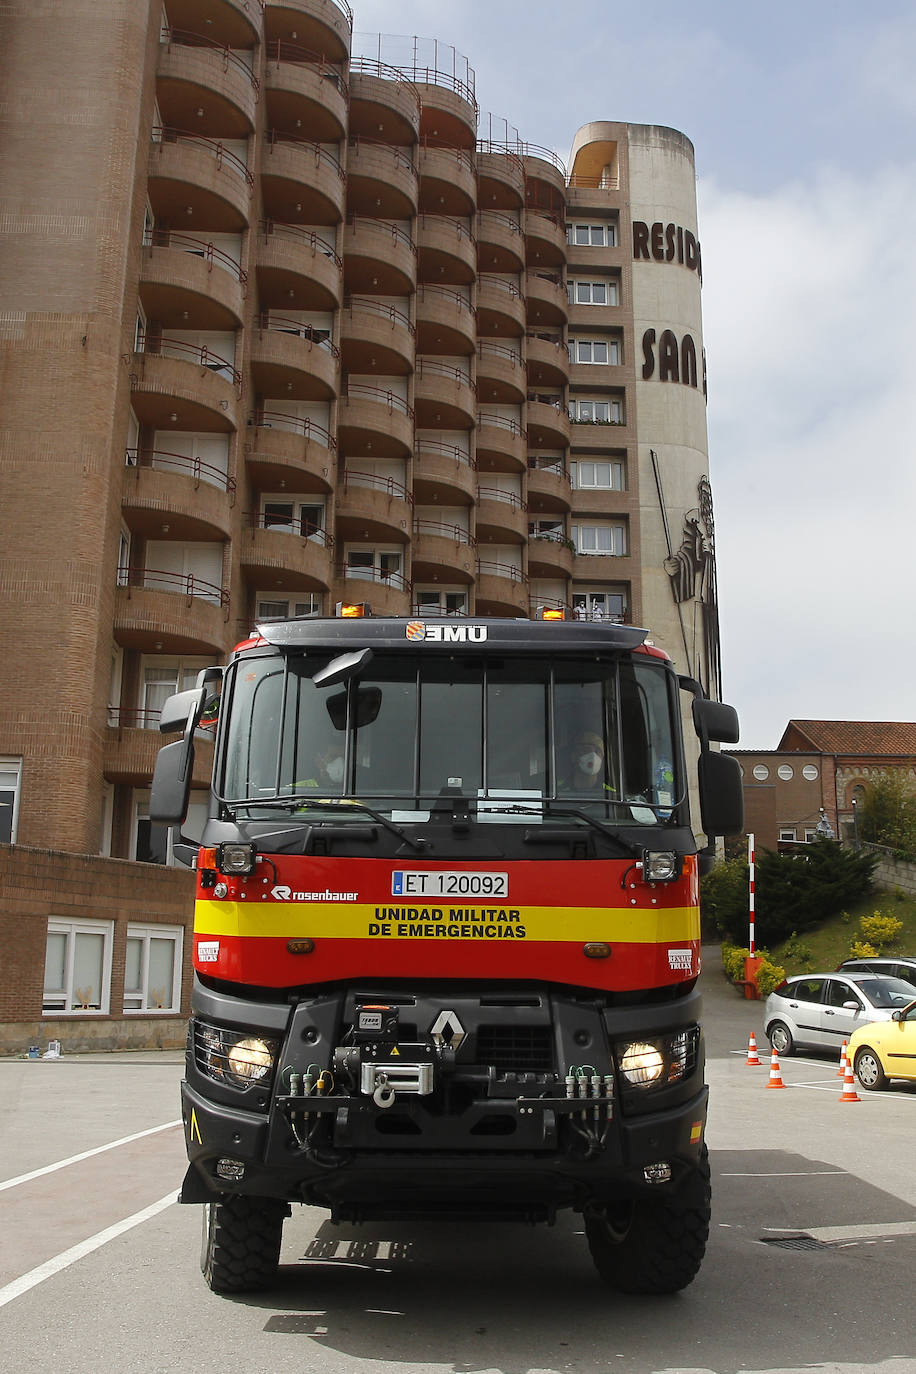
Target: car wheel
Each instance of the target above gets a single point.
(780, 1037)
(868, 1070)
(240, 1249)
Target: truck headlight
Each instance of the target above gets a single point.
(641, 1063)
(237, 859)
(660, 865)
(645, 1064)
(231, 1056)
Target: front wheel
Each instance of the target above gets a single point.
(653, 1245)
(240, 1249)
(868, 1070)
(780, 1038)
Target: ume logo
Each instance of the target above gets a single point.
(446, 634)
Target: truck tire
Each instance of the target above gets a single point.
(240, 1249)
(650, 1244)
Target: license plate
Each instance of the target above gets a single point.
(465, 883)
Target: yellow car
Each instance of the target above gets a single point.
(885, 1049)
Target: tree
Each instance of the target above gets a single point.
(887, 816)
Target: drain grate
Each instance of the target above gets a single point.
(795, 1243)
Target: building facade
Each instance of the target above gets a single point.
(280, 328)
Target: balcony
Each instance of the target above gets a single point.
(545, 174)
(501, 517)
(448, 181)
(235, 23)
(371, 419)
(446, 322)
(500, 176)
(388, 593)
(548, 358)
(284, 452)
(550, 555)
(549, 489)
(379, 258)
(290, 358)
(381, 180)
(373, 332)
(443, 472)
(301, 562)
(305, 90)
(500, 241)
(449, 103)
(132, 744)
(502, 589)
(295, 264)
(500, 307)
(500, 374)
(193, 498)
(302, 182)
(547, 300)
(448, 253)
(379, 508)
(192, 68)
(178, 385)
(383, 101)
(444, 396)
(172, 613)
(185, 281)
(545, 239)
(441, 551)
(548, 422)
(190, 173)
(502, 444)
(323, 25)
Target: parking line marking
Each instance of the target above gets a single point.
(873, 1231)
(798, 1173)
(86, 1154)
(77, 1252)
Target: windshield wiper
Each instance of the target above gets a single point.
(549, 809)
(302, 803)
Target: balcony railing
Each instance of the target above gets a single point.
(397, 580)
(155, 345)
(371, 66)
(429, 367)
(199, 248)
(384, 312)
(485, 568)
(307, 238)
(362, 224)
(181, 584)
(485, 347)
(282, 324)
(161, 459)
(485, 217)
(460, 156)
(359, 391)
(437, 449)
(297, 525)
(214, 147)
(308, 429)
(386, 485)
(401, 157)
(442, 530)
(276, 137)
(450, 223)
(536, 464)
(281, 53)
(183, 39)
(497, 494)
(502, 422)
(500, 284)
(446, 293)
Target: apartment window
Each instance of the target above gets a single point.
(162, 680)
(599, 604)
(601, 538)
(374, 565)
(597, 474)
(10, 780)
(787, 833)
(77, 966)
(596, 412)
(152, 970)
(292, 517)
(593, 293)
(592, 235)
(275, 608)
(546, 529)
(435, 601)
(594, 351)
(124, 559)
(810, 836)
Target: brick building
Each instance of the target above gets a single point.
(280, 326)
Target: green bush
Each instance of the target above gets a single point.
(797, 952)
(733, 962)
(769, 976)
(861, 949)
(880, 930)
(887, 815)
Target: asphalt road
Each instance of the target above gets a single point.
(810, 1263)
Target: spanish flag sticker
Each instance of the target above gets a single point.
(696, 1132)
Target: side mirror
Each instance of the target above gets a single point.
(171, 789)
(721, 794)
(177, 710)
(714, 720)
(852, 1006)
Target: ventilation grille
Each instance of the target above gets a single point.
(516, 1049)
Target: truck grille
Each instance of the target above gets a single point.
(516, 1049)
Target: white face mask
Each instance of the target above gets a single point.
(589, 763)
(335, 770)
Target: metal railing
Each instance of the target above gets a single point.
(446, 293)
(380, 575)
(363, 224)
(195, 247)
(296, 234)
(182, 38)
(361, 391)
(385, 312)
(460, 156)
(497, 494)
(429, 367)
(299, 526)
(438, 449)
(372, 66)
(402, 158)
(486, 568)
(510, 288)
(386, 485)
(603, 181)
(451, 223)
(163, 134)
(502, 422)
(486, 347)
(156, 345)
(182, 584)
(442, 529)
(555, 469)
(292, 424)
(282, 324)
(485, 217)
(424, 60)
(275, 138)
(196, 468)
(281, 53)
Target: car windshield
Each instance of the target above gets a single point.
(511, 735)
(885, 992)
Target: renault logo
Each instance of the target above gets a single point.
(447, 1030)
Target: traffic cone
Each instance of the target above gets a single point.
(841, 1071)
(775, 1079)
(849, 1093)
(752, 1057)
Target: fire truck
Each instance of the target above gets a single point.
(447, 936)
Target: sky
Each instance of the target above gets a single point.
(803, 117)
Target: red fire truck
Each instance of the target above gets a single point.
(446, 938)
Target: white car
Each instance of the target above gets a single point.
(821, 1010)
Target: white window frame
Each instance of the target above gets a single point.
(11, 768)
(71, 929)
(604, 410)
(595, 352)
(297, 506)
(146, 933)
(787, 833)
(582, 292)
(810, 836)
(440, 606)
(582, 534)
(602, 235)
(377, 571)
(579, 479)
(592, 603)
(307, 603)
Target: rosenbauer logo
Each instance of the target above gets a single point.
(446, 634)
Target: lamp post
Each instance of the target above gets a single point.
(855, 822)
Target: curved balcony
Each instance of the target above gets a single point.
(289, 358)
(449, 103)
(548, 358)
(383, 101)
(500, 307)
(545, 240)
(500, 177)
(501, 517)
(381, 180)
(386, 593)
(446, 322)
(301, 181)
(547, 300)
(550, 555)
(323, 25)
(373, 420)
(502, 590)
(549, 489)
(448, 252)
(379, 258)
(303, 561)
(376, 336)
(295, 264)
(173, 613)
(194, 499)
(235, 23)
(198, 179)
(500, 242)
(284, 452)
(196, 72)
(548, 422)
(500, 374)
(502, 444)
(545, 174)
(305, 90)
(443, 472)
(187, 283)
(132, 744)
(373, 506)
(441, 551)
(448, 181)
(444, 396)
(182, 386)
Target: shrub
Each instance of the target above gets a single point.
(769, 976)
(861, 949)
(880, 930)
(796, 952)
(733, 962)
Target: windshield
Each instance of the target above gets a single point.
(883, 991)
(506, 735)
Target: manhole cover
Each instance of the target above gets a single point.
(795, 1242)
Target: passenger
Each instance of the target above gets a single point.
(585, 770)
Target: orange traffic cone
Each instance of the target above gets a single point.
(849, 1093)
(775, 1080)
(841, 1071)
(752, 1050)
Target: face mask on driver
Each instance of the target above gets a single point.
(335, 769)
(589, 763)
